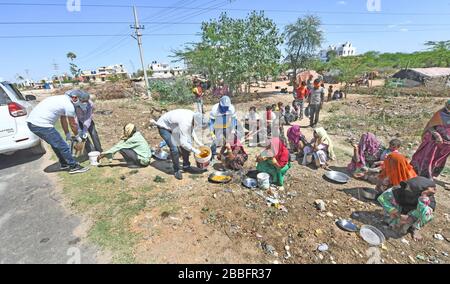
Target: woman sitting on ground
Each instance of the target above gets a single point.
(410, 206)
(431, 157)
(321, 149)
(297, 141)
(395, 169)
(366, 156)
(274, 160)
(233, 156)
(133, 147)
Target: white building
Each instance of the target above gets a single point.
(164, 70)
(104, 72)
(344, 50)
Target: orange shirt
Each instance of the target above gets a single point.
(397, 169)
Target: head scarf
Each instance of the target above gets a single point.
(224, 104)
(397, 168)
(237, 145)
(368, 144)
(410, 191)
(128, 131)
(325, 139)
(294, 134)
(281, 153)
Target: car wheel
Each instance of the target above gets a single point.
(38, 149)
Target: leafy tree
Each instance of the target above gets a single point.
(236, 50)
(303, 38)
(350, 68)
(441, 50)
(74, 69)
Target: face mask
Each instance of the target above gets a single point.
(83, 106)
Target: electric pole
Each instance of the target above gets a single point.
(56, 68)
(138, 36)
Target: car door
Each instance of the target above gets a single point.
(8, 125)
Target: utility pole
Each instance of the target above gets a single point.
(138, 36)
(56, 68)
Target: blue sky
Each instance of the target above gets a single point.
(347, 20)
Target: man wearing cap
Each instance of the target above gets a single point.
(223, 123)
(42, 122)
(177, 129)
(85, 115)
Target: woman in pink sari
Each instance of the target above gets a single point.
(429, 160)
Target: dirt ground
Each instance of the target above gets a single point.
(193, 221)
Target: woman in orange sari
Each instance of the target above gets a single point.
(396, 169)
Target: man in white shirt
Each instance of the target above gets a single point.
(42, 122)
(177, 128)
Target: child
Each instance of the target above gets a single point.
(394, 147)
(330, 93)
(233, 156)
(252, 120)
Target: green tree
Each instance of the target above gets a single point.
(74, 69)
(441, 51)
(350, 68)
(236, 50)
(303, 38)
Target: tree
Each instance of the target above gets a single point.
(440, 51)
(71, 56)
(236, 50)
(303, 38)
(74, 69)
(350, 68)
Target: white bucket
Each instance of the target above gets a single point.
(263, 181)
(203, 163)
(93, 158)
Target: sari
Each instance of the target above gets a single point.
(237, 158)
(397, 169)
(431, 157)
(369, 151)
(281, 155)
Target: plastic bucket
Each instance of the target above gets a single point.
(204, 161)
(93, 158)
(263, 181)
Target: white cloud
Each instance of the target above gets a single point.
(342, 3)
(404, 30)
(392, 26)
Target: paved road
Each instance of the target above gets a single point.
(34, 227)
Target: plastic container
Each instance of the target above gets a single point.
(93, 158)
(203, 162)
(263, 181)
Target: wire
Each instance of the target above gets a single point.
(230, 9)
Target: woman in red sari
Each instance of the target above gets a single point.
(429, 160)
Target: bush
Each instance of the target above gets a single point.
(178, 91)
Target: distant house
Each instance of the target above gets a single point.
(424, 76)
(101, 74)
(341, 50)
(164, 70)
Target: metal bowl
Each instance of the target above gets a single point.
(227, 174)
(347, 225)
(337, 177)
(369, 193)
(162, 155)
(250, 182)
(372, 235)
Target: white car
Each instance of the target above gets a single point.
(14, 132)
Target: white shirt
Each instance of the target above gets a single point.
(222, 120)
(179, 122)
(46, 113)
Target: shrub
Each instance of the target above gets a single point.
(177, 91)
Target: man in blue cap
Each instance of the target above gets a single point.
(223, 123)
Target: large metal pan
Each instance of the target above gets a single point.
(337, 177)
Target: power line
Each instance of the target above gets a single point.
(196, 34)
(199, 23)
(229, 9)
